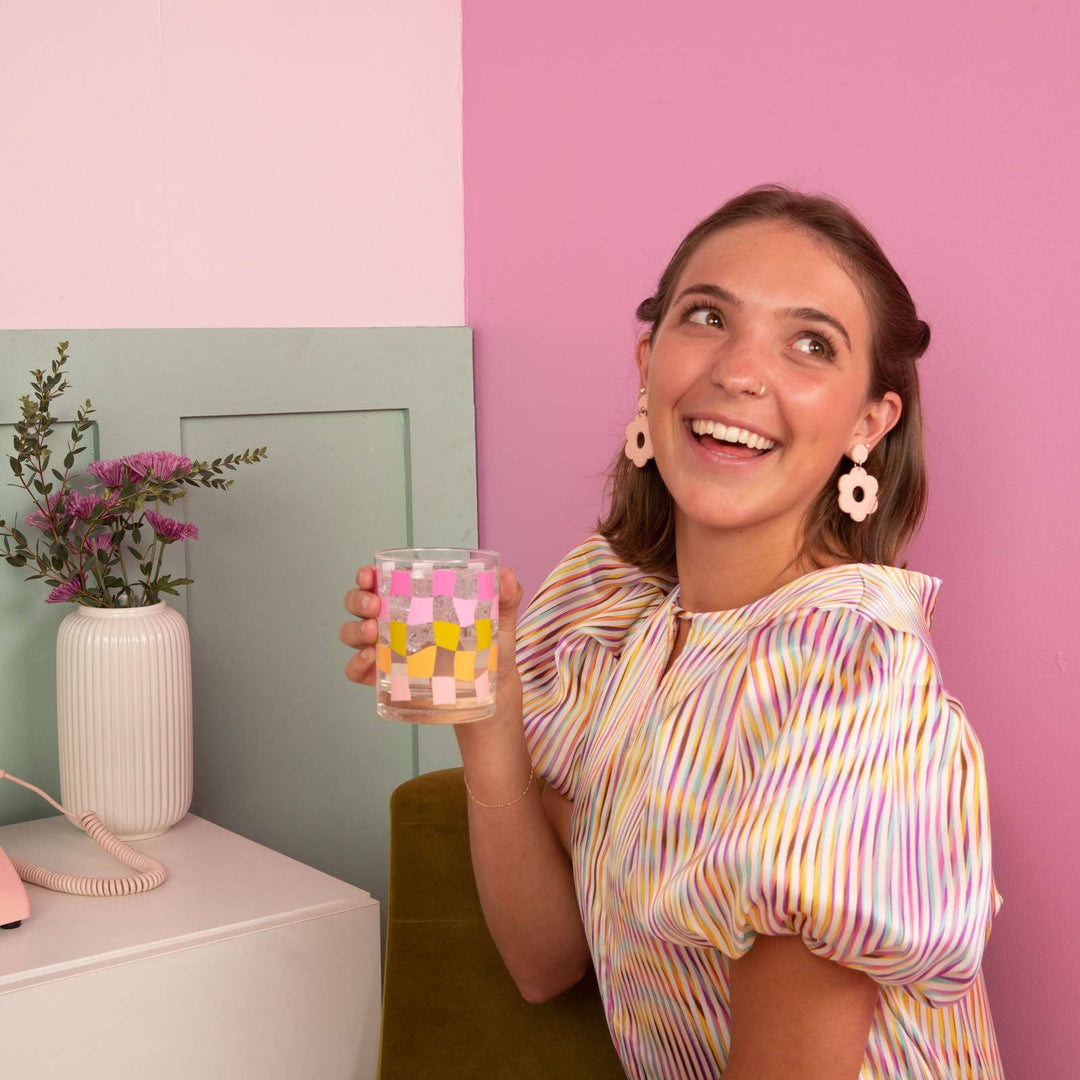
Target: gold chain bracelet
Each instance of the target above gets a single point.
(500, 805)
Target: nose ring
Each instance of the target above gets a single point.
(760, 392)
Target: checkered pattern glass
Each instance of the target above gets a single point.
(437, 653)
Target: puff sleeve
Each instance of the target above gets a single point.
(568, 643)
(865, 827)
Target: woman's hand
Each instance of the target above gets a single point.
(508, 683)
(362, 634)
(363, 602)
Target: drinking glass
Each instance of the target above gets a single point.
(437, 653)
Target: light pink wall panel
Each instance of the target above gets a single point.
(314, 162)
(82, 210)
(194, 163)
(596, 134)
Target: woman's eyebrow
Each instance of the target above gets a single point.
(710, 290)
(815, 316)
(812, 314)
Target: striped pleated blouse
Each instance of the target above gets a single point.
(799, 770)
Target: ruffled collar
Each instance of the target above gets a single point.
(902, 599)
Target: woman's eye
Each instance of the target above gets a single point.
(704, 316)
(815, 346)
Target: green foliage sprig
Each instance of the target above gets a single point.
(84, 535)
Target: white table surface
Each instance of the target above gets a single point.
(220, 885)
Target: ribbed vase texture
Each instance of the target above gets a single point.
(123, 696)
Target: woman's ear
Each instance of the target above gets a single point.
(879, 418)
(643, 353)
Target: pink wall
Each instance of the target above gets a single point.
(250, 163)
(596, 134)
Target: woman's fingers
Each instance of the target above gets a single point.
(358, 634)
(363, 602)
(361, 668)
(362, 637)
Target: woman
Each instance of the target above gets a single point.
(765, 821)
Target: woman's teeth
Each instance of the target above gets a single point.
(722, 433)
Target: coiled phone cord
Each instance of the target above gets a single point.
(150, 871)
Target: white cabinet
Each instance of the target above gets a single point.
(245, 963)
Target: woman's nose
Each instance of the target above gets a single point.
(737, 367)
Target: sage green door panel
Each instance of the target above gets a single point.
(273, 705)
(371, 443)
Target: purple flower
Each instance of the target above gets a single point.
(82, 506)
(62, 593)
(160, 464)
(100, 542)
(39, 519)
(169, 530)
(111, 473)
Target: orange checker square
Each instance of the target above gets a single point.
(382, 658)
(421, 665)
(465, 665)
(493, 656)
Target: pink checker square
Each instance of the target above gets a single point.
(444, 690)
(485, 585)
(482, 687)
(384, 608)
(495, 607)
(421, 610)
(466, 611)
(399, 688)
(400, 583)
(443, 582)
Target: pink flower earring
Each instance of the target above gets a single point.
(858, 480)
(638, 446)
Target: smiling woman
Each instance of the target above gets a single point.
(765, 820)
(830, 244)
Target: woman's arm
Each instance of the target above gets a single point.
(794, 1014)
(523, 875)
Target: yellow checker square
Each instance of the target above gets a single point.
(399, 633)
(483, 633)
(465, 665)
(382, 658)
(447, 634)
(493, 657)
(421, 665)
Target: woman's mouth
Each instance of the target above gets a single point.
(729, 441)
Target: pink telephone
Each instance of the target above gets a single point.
(14, 901)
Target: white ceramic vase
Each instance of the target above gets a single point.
(123, 704)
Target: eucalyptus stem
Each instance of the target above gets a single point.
(99, 577)
(161, 556)
(123, 568)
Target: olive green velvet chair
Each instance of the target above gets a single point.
(450, 1010)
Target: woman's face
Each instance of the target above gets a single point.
(762, 305)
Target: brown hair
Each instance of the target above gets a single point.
(640, 523)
